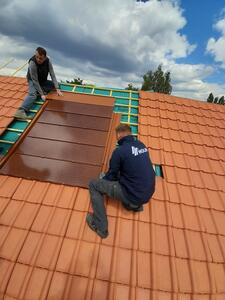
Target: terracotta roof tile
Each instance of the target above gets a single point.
(212, 245)
(144, 270)
(207, 220)
(8, 185)
(158, 212)
(201, 279)
(28, 282)
(6, 270)
(196, 246)
(216, 199)
(3, 204)
(175, 215)
(51, 220)
(13, 243)
(190, 217)
(174, 248)
(161, 268)
(179, 243)
(160, 240)
(12, 92)
(218, 277)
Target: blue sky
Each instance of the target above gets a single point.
(113, 43)
(200, 19)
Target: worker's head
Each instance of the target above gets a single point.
(122, 130)
(40, 55)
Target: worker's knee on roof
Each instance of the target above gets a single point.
(92, 183)
(33, 95)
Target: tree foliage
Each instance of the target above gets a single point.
(216, 100)
(77, 81)
(221, 100)
(210, 98)
(131, 87)
(157, 81)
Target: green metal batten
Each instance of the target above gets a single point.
(126, 101)
(158, 171)
(16, 128)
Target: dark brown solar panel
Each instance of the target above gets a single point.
(78, 108)
(66, 145)
(74, 120)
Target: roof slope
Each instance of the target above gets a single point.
(174, 249)
(12, 92)
(188, 139)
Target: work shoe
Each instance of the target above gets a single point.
(133, 207)
(92, 225)
(20, 114)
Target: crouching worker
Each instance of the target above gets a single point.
(38, 84)
(130, 179)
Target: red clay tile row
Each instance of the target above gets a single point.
(182, 112)
(70, 197)
(183, 103)
(194, 277)
(179, 128)
(70, 244)
(196, 179)
(42, 219)
(12, 92)
(40, 284)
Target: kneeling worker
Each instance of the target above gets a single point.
(38, 84)
(130, 179)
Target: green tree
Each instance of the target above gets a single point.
(210, 98)
(76, 81)
(157, 81)
(131, 87)
(221, 100)
(216, 100)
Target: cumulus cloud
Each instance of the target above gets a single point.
(117, 35)
(110, 43)
(216, 46)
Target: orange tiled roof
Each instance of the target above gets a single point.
(12, 92)
(187, 138)
(175, 249)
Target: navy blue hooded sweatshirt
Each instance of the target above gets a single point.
(130, 164)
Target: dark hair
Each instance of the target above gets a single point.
(123, 128)
(41, 51)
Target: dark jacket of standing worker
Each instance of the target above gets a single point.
(130, 164)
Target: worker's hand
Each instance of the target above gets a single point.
(59, 93)
(43, 97)
(101, 175)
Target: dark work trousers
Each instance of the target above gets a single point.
(32, 93)
(98, 188)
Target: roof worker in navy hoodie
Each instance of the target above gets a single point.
(130, 179)
(38, 84)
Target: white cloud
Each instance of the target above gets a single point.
(110, 43)
(216, 46)
(198, 89)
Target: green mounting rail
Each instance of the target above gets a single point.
(15, 129)
(126, 102)
(158, 170)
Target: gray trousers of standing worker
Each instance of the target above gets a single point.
(98, 188)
